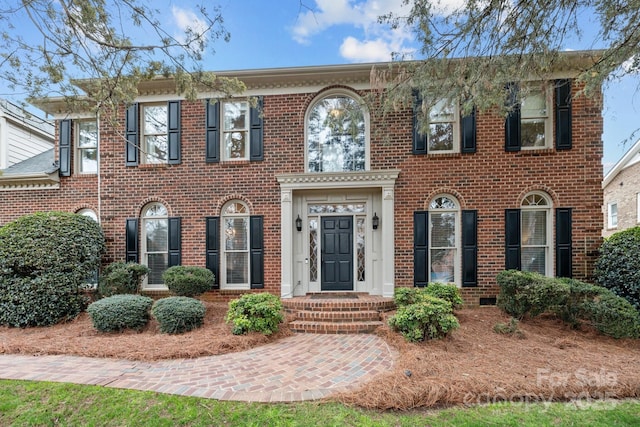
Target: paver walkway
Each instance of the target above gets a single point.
(299, 367)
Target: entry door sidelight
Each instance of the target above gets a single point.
(337, 253)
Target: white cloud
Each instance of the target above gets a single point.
(187, 21)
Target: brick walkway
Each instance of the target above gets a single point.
(300, 367)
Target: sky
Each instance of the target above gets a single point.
(290, 33)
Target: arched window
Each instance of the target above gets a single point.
(337, 135)
(444, 239)
(155, 242)
(235, 245)
(89, 213)
(535, 229)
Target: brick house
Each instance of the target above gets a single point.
(313, 192)
(621, 187)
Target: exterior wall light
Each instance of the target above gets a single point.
(299, 223)
(375, 221)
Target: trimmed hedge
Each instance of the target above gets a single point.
(45, 259)
(188, 281)
(121, 278)
(177, 315)
(261, 312)
(430, 318)
(446, 291)
(618, 266)
(526, 293)
(119, 312)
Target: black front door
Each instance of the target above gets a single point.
(337, 253)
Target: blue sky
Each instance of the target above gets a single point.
(285, 33)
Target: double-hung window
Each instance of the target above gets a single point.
(444, 128)
(235, 130)
(612, 215)
(536, 126)
(153, 133)
(87, 146)
(154, 137)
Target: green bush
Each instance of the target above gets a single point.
(510, 328)
(45, 258)
(119, 312)
(614, 316)
(580, 293)
(260, 312)
(431, 318)
(526, 293)
(618, 266)
(121, 278)
(446, 291)
(188, 281)
(177, 315)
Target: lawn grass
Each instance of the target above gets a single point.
(24, 403)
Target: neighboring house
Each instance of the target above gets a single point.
(621, 186)
(313, 191)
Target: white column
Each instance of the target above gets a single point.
(388, 242)
(286, 246)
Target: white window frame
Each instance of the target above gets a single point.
(434, 209)
(146, 156)
(80, 150)
(230, 131)
(365, 112)
(546, 114)
(223, 244)
(612, 215)
(440, 119)
(534, 200)
(144, 253)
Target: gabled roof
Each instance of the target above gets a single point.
(631, 157)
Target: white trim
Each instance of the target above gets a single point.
(629, 158)
(612, 220)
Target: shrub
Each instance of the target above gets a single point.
(430, 318)
(510, 328)
(406, 296)
(580, 293)
(188, 281)
(177, 315)
(523, 293)
(119, 312)
(618, 266)
(614, 316)
(255, 312)
(44, 260)
(121, 278)
(446, 291)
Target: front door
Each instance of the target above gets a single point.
(337, 253)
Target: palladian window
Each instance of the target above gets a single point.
(336, 135)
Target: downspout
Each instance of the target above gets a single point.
(99, 165)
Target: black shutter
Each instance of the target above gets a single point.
(175, 241)
(173, 132)
(132, 240)
(469, 248)
(468, 130)
(64, 142)
(256, 132)
(256, 252)
(512, 122)
(213, 248)
(132, 142)
(212, 119)
(420, 248)
(419, 140)
(564, 247)
(512, 239)
(563, 115)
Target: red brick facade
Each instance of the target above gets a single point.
(489, 181)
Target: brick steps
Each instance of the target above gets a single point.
(336, 313)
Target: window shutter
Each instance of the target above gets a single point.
(213, 248)
(420, 248)
(256, 132)
(512, 122)
(563, 115)
(173, 132)
(419, 140)
(564, 249)
(469, 248)
(175, 241)
(512, 239)
(212, 119)
(256, 252)
(468, 129)
(64, 142)
(132, 240)
(131, 134)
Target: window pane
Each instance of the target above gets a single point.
(237, 268)
(236, 233)
(235, 115)
(87, 134)
(442, 203)
(532, 133)
(88, 160)
(360, 247)
(442, 265)
(534, 104)
(157, 263)
(440, 136)
(313, 250)
(441, 112)
(156, 235)
(533, 259)
(155, 119)
(156, 148)
(443, 230)
(235, 146)
(534, 227)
